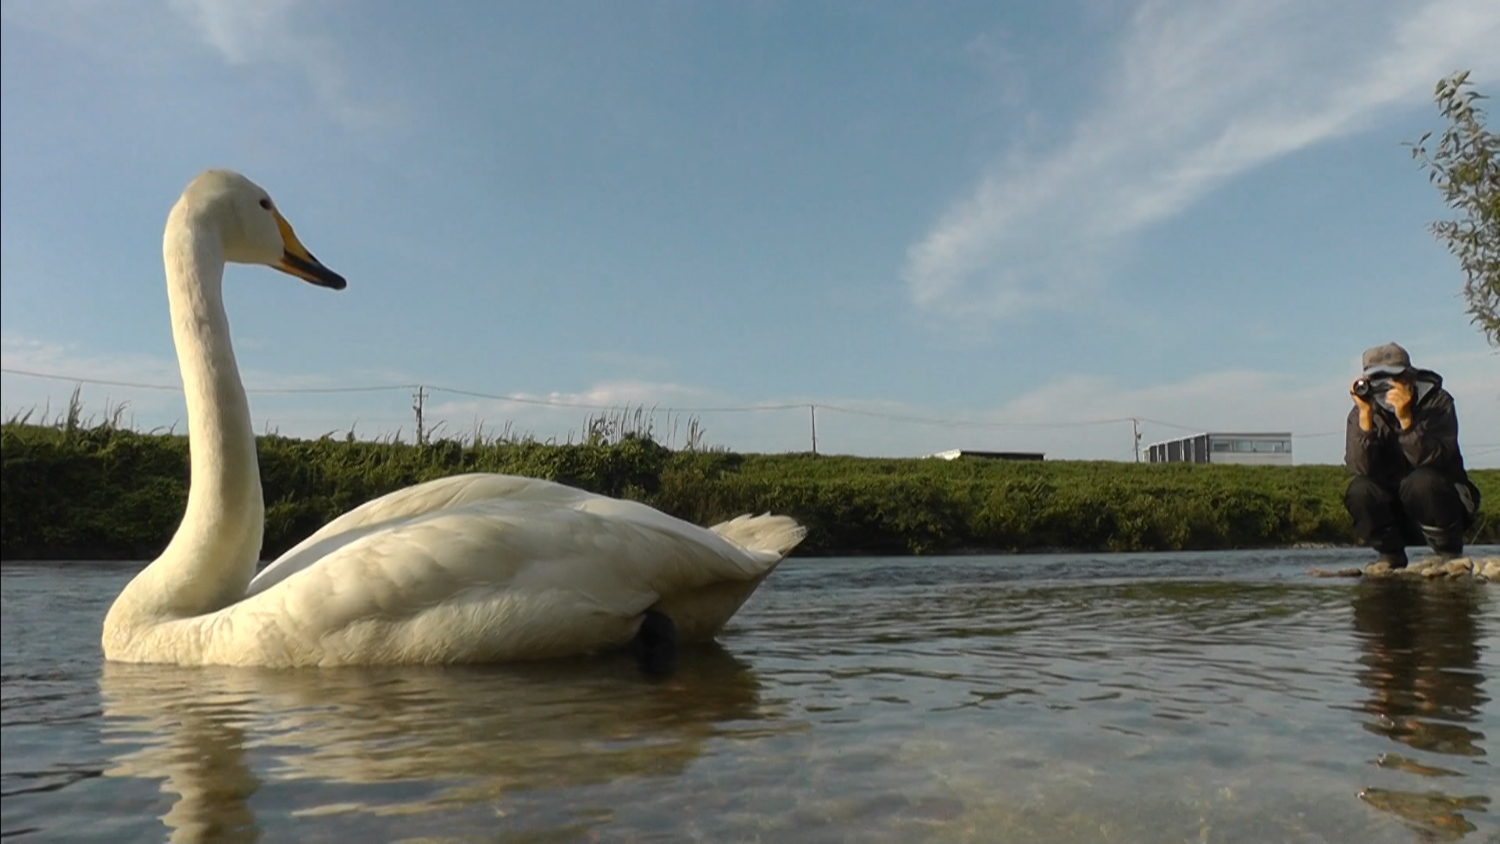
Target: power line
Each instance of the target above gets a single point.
(140, 385)
(177, 388)
(135, 384)
(1193, 428)
(381, 388)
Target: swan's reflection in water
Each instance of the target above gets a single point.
(454, 736)
(1420, 660)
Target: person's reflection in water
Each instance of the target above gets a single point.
(1421, 643)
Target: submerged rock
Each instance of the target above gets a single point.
(1352, 571)
(1397, 762)
(1438, 816)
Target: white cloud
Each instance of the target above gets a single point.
(275, 32)
(1201, 93)
(282, 34)
(242, 32)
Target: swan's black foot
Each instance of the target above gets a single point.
(655, 644)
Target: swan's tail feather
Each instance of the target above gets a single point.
(764, 533)
(701, 613)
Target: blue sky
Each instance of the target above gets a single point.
(1010, 217)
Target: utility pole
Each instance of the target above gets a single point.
(1135, 427)
(417, 400)
(812, 412)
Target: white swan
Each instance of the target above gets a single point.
(473, 568)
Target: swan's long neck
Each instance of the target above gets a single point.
(225, 512)
(212, 557)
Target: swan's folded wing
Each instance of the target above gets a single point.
(497, 578)
(405, 505)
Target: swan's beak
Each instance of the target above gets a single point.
(297, 261)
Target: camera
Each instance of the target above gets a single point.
(1365, 388)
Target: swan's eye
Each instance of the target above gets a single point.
(266, 204)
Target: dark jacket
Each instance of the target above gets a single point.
(1388, 454)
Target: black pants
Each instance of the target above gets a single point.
(1427, 508)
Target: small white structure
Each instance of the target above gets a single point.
(1262, 449)
(955, 453)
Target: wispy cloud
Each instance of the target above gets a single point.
(1201, 92)
(275, 32)
(287, 35)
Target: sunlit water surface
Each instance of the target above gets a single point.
(1135, 698)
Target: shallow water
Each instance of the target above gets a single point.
(1135, 698)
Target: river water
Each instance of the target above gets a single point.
(1223, 697)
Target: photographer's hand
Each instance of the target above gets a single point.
(1365, 409)
(1399, 398)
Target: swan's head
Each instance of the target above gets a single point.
(251, 227)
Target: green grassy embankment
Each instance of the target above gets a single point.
(110, 493)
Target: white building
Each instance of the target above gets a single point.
(955, 453)
(1262, 449)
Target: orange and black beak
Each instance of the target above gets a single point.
(297, 261)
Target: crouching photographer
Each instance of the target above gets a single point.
(1401, 445)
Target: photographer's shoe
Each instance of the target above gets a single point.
(1446, 543)
(1394, 559)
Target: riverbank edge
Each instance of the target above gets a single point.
(107, 493)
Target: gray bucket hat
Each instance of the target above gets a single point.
(1389, 359)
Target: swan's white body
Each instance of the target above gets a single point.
(474, 568)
